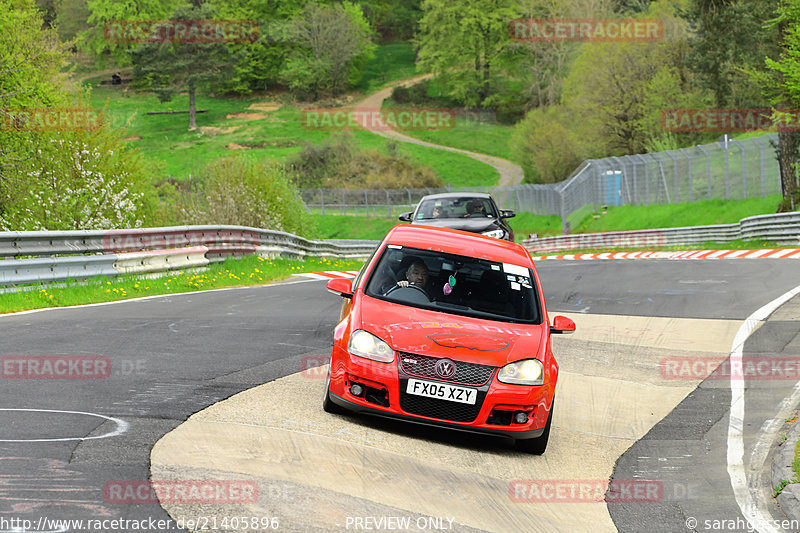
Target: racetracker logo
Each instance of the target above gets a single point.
(221, 241)
(761, 368)
(313, 366)
(378, 119)
(181, 492)
(729, 120)
(585, 491)
(181, 31)
(50, 119)
(55, 366)
(586, 30)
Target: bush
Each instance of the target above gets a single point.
(339, 163)
(239, 191)
(80, 180)
(547, 145)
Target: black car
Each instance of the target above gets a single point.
(475, 212)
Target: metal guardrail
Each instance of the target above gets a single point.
(782, 228)
(47, 256)
(14, 272)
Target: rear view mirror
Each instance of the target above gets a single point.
(406, 217)
(562, 324)
(507, 213)
(341, 286)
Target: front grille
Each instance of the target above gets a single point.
(441, 409)
(424, 366)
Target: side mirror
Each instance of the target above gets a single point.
(406, 217)
(341, 286)
(562, 324)
(507, 213)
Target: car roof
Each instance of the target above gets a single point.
(456, 195)
(457, 242)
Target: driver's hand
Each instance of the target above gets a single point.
(402, 283)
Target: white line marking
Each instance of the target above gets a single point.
(755, 512)
(311, 276)
(122, 426)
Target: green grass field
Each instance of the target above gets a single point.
(265, 127)
(251, 270)
(476, 131)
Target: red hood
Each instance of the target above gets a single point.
(425, 332)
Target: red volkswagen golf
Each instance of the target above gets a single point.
(447, 328)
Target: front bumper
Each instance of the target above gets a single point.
(385, 384)
(365, 409)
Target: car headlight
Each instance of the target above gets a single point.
(495, 233)
(526, 372)
(365, 344)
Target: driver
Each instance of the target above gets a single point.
(475, 209)
(416, 274)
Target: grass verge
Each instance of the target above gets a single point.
(250, 270)
(351, 227)
(709, 212)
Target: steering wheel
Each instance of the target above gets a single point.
(410, 286)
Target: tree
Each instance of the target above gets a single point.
(71, 18)
(781, 84)
(30, 60)
(730, 36)
(620, 88)
(464, 41)
(96, 42)
(261, 61)
(76, 179)
(173, 65)
(331, 47)
(393, 19)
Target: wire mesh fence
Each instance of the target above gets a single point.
(727, 169)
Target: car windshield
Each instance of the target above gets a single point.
(456, 207)
(455, 284)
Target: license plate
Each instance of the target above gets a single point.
(442, 391)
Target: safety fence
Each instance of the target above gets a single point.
(46, 256)
(728, 169)
(782, 229)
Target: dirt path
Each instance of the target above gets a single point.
(510, 173)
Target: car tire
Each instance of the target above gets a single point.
(538, 445)
(327, 404)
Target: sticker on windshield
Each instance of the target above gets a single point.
(514, 269)
(515, 285)
(395, 247)
(496, 267)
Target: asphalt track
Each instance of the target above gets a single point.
(617, 414)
